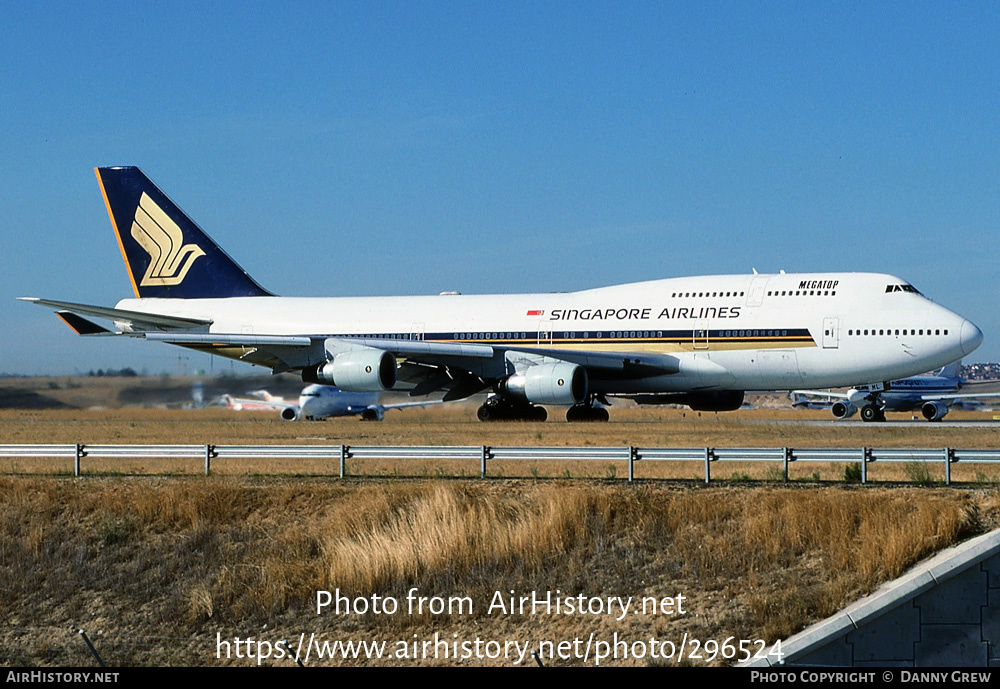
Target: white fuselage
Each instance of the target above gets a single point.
(728, 332)
(325, 401)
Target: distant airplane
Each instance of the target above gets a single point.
(258, 400)
(801, 400)
(702, 340)
(933, 395)
(326, 401)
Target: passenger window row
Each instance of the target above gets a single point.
(682, 295)
(492, 336)
(905, 331)
(803, 293)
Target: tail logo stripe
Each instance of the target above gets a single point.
(169, 258)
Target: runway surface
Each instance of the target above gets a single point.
(855, 423)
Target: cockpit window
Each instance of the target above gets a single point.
(901, 288)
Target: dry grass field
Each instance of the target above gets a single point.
(159, 569)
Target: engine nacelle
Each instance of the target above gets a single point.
(934, 411)
(290, 413)
(843, 409)
(561, 383)
(728, 400)
(371, 370)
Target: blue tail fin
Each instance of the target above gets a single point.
(166, 253)
(952, 370)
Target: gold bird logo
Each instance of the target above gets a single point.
(170, 258)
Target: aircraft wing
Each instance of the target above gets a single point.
(404, 405)
(461, 369)
(475, 356)
(823, 393)
(960, 396)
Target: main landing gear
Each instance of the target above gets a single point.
(497, 408)
(500, 408)
(873, 409)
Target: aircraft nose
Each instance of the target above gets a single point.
(971, 336)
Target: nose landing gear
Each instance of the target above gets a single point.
(874, 409)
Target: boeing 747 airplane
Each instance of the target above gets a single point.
(700, 341)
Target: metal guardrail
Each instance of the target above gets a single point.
(483, 454)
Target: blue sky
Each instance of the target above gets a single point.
(412, 147)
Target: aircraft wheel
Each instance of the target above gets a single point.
(870, 412)
(583, 412)
(505, 411)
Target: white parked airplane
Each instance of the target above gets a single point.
(802, 400)
(325, 401)
(933, 395)
(700, 341)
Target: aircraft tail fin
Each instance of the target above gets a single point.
(167, 255)
(952, 370)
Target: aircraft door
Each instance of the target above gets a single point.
(417, 331)
(700, 335)
(831, 333)
(756, 294)
(544, 334)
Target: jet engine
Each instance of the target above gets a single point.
(728, 400)
(561, 383)
(368, 370)
(724, 400)
(934, 411)
(290, 413)
(843, 409)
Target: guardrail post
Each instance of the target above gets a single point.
(208, 459)
(343, 460)
(708, 458)
(866, 456)
(949, 457)
(484, 455)
(93, 650)
(631, 463)
(76, 459)
(786, 459)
